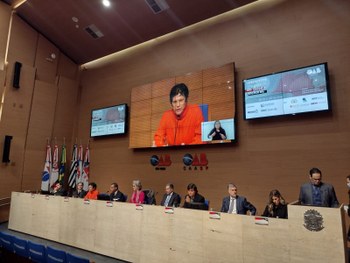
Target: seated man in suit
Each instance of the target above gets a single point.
(235, 204)
(194, 200)
(170, 198)
(115, 194)
(316, 192)
(79, 192)
(58, 190)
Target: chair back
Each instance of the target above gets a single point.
(37, 252)
(20, 247)
(75, 259)
(6, 241)
(54, 255)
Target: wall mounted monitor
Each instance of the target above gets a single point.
(160, 117)
(110, 120)
(287, 92)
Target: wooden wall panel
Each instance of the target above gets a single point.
(143, 92)
(23, 42)
(45, 64)
(5, 14)
(14, 122)
(264, 37)
(40, 129)
(66, 109)
(66, 67)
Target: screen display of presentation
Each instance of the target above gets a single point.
(289, 92)
(192, 109)
(108, 121)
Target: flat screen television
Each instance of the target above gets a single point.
(287, 92)
(110, 120)
(196, 108)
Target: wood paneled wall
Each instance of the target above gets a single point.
(44, 106)
(264, 37)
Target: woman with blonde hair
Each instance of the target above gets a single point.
(138, 196)
(277, 206)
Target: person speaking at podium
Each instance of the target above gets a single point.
(182, 124)
(235, 204)
(316, 192)
(194, 200)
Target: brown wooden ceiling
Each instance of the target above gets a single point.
(124, 24)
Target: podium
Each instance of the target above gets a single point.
(155, 234)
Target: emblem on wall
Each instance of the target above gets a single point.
(195, 162)
(313, 220)
(160, 163)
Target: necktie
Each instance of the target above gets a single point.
(232, 200)
(167, 200)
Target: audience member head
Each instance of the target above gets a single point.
(92, 187)
(113, 188)
(315, 176)
(169, 188)
(232, 190)
(136, 185)
(192, 190)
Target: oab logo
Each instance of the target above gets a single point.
(160, 163)
(197, 162)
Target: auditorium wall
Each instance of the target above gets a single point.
(264, 37)
(38, 111)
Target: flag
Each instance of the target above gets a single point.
(63, 165)
(45, 178)
(80, 165)
(73, 168)
(86, 169)
(54, 171)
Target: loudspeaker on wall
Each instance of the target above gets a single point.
(6, 152)
(17, 75)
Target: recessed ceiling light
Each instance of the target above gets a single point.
(106, 3)
(76, 20)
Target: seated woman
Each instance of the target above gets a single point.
(93, 192)
(194, 200)
(277, 206)
(217, 133)
(138, 196)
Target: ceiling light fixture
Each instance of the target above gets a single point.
(106, 3)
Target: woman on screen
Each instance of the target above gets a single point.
(277, 206)
(217, 133)
(138, 196)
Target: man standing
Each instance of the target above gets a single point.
(115, 194)
(316, 192)
(182, 124)
(170, 198)
(235, 204)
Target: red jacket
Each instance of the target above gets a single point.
(175, 130)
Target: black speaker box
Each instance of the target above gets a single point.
(17, 75)
(6, 152)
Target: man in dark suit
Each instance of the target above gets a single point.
(316, 192)
(170, 198)
(79, 192)
(193, 199)
(235, 204)
(115, 194)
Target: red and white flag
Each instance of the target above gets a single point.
(86, 169)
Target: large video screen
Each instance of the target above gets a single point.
(193, 109)
(108, 121)
(289, 92)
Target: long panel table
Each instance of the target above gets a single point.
(153, 234)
